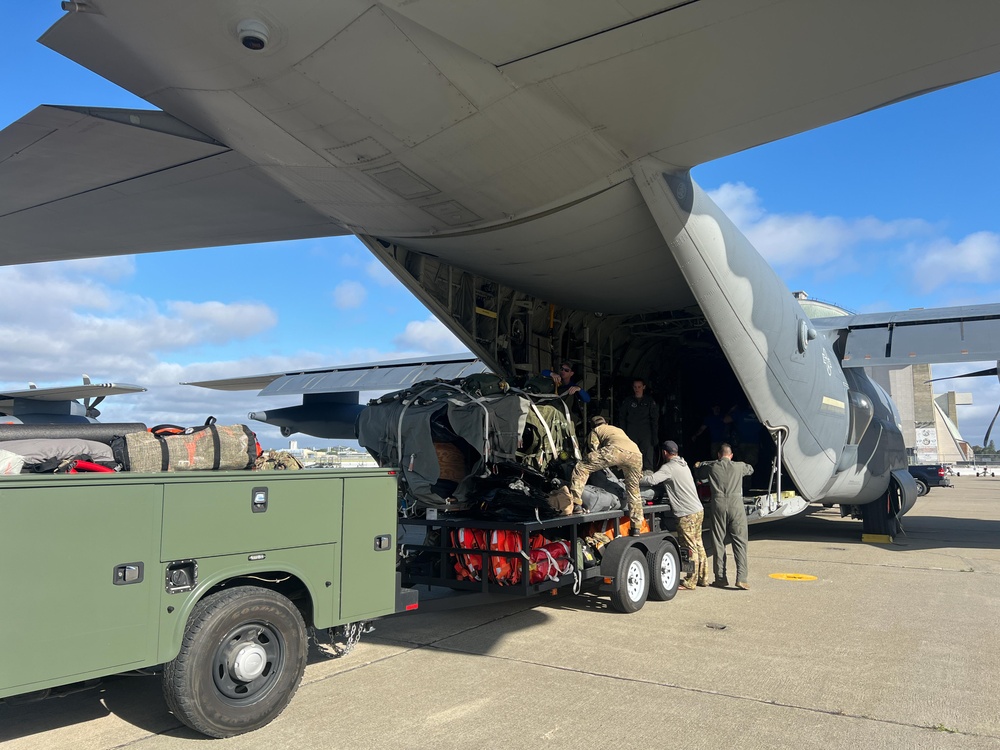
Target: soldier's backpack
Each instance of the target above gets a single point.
(276, 461)
(539, 384)
(484, 384)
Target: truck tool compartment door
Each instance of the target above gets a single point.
(215, 515)
(80, 578)
(368, 569)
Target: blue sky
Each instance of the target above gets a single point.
(894, 209)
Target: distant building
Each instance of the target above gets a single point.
(930, 423)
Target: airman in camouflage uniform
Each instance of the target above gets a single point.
(610, 446)
(676, 478)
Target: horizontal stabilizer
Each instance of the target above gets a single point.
(80, 183)
(933, 336)
(383, 376)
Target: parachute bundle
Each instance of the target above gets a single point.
(444, 435)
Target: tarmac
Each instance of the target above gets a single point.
(891, 646)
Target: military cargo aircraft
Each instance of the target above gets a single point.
(72, 404)
(524, 169)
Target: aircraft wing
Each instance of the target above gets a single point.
(73, 392)
(330, 406)
(61, 399)
(383, 376)
(96, 182)
(933, 336)
(441, 117)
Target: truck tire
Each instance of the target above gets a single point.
(631, 582)
(922, 488)
(241, 661)
(664, 572)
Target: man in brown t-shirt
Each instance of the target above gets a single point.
(610, 446)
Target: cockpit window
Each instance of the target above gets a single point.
(862, 412)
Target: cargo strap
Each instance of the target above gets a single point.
(216, 445)
(164, 454)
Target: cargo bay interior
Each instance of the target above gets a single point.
(519, 335)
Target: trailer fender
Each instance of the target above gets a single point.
(613, 551)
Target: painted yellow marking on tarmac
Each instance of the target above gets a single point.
(876, 538)
(792, 577)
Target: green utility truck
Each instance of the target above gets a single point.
(215, 575)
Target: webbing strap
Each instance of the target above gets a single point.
(164, 454)
(216, 446)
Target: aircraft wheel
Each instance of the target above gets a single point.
(241, 660)
(664, 570)
(631, 582)
(922, 488)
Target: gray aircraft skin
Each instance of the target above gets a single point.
(71, 404)
(523, 168)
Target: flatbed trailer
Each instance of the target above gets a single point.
(631, 568)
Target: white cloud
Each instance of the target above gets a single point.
(353, 259)
(428, 337)
(804, 240)
(380, 274)
(976, 258)
(47, 293)
(60, 320)
(114, 268)
(216, 322)
(348, 295)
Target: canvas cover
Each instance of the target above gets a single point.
(39, 450)
(407, 428)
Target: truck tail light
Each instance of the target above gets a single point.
(940, 471)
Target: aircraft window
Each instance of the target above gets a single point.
(862, 412)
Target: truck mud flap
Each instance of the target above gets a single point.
(406, 599)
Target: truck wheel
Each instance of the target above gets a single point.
(664, 570)
(240, 663)
(922, 487)
(631, 582)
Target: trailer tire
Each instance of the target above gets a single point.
(631, 585)
(241, 660)
(664, 572)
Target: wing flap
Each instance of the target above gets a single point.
(933, 336)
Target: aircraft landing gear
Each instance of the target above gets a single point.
(881, 517)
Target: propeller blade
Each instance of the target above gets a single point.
(981, 373)
(90, 405)
(986, 440)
